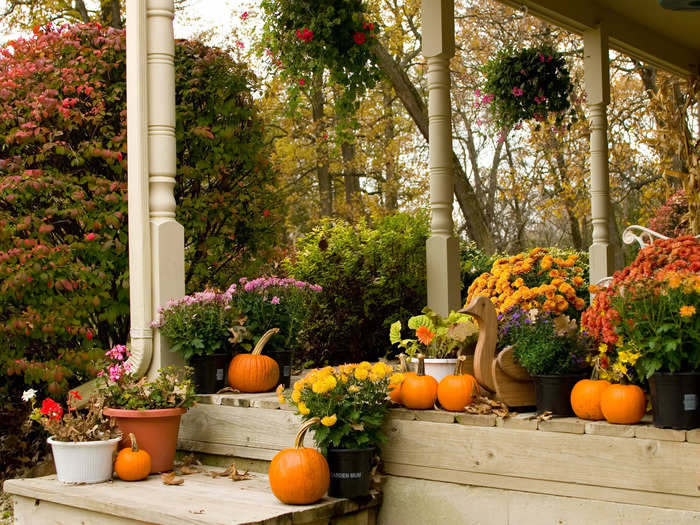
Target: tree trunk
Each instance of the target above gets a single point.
(110, 13)
(390, 187)
(474, 218)
(82, 10)
(325, 186)
(352, 180)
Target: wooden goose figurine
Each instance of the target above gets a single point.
(501, 375)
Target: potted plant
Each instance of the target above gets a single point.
(440, 339)
(199, 326)
(659, 327)
(82, 441)
(551, 349)
(352, 403)
(274, 302)
(647, 325)
(524, 84)
(151, 410)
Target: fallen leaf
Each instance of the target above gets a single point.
(232, 472)
(200, 511)
(170, 479)
(228, 389)
(185, 470)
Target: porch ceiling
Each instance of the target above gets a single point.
(639, 28)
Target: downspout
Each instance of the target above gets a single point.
(141, 334)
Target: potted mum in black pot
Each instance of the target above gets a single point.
(552, 350)
(205, 327)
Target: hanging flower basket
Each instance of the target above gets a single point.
(527, 84)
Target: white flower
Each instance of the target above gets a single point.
(28, 394)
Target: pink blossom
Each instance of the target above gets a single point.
(517, 91)
(244, 16)
(115, 372)
(90, 236)
(302, 81)
(275, 300)
(240, 44)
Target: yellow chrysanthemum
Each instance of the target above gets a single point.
(366, 365)
(396, 378)
(379, 371)
(321, 386)
(687, 311)
(354, 389)
(674, 281)
(296, 396)
(361, 374)
(329, 421)
(303, 409)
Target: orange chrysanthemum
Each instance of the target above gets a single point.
(424, 335)
(687, 311)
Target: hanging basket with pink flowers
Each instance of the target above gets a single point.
(526, 84)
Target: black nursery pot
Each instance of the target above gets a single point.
(284, 360)
(554, 393)
(350, 472)
(210, 372)
(675, 400)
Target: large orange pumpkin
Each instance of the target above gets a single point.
(419, 391)
(457, 390)
(299, 475)
(254, 372)
(132, 464)
(395, 390)
(623, 404)
(585, 398)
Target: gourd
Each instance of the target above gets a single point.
(457, 390)
(254, 372)
(395, 390)
(419, 391)
(132, 464)
(299, 475)
(623, 404)
(585, 398)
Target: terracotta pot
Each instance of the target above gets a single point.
(155, 430)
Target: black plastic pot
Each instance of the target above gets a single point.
(553, 393)
(284, 360)
(675, 400)
(210, 372)
(350, 472)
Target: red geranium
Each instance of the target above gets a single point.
(50, 408)
(359, 38)
(305, 35)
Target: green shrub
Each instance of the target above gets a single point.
(371, 275)
(473, 261)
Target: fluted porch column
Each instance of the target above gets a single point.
(167, 236)
(140, 310)
(597, 81)
(442, 247)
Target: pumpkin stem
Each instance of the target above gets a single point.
(420, 370)
(299, 440)
(263, 341)
(459, 368)
(403, 368)
(134, 444)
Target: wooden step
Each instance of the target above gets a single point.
(201, 499)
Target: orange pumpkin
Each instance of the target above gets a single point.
(254, 372)
(585, 398)
(395, 390)
(132, 464)
(299, 475)
(456, 391)
(623, 404)
(419, 391)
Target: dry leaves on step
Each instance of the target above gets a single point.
(228, 389)
(232, 472)
(484, 405)
(170, 479)
(188, 465)
(544, 416)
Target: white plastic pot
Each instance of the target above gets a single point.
(438, 368)
(86, 462)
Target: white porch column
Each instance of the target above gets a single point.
(442, 247)
(167, 236)
(597, 81)
(139, 231)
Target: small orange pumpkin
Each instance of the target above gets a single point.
(299, 475)
(395, 390)
(457, 390)
(132, 464)
(585, 398)
(254, 372)
(623, 404)
(419, 391)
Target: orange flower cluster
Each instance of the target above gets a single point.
(535, 279)
(676, 262)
